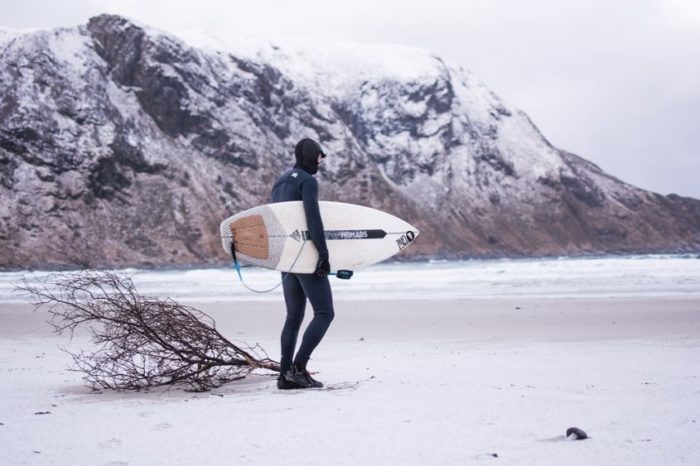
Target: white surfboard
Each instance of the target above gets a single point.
(275, 236)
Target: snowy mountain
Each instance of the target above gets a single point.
(123, 145)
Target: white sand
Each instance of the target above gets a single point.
(419, 382)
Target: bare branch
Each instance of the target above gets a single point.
(141, 341)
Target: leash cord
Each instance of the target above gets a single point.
(236, 266)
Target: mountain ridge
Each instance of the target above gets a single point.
(99, 119)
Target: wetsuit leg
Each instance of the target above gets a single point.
(295, 298)
(318, 290)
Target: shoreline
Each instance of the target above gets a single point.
(466, 319)
(146, 267)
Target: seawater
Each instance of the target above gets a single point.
(601, 277)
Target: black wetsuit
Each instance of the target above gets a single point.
(298, 185)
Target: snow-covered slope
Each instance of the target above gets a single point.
(121, 144)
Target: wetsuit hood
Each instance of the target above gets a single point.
(306, 154)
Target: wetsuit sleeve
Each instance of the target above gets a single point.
(309, 196)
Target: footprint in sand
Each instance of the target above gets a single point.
(162, 426)
(111, 443)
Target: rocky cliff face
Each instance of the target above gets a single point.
(121, 145)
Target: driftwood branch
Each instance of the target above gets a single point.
(141, 341)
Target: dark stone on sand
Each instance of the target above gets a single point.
(575, 433)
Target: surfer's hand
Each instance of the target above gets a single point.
(323, 268)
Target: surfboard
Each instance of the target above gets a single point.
(275, 236)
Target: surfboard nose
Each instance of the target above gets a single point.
(406, 239)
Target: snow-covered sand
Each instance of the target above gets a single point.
(419, 381)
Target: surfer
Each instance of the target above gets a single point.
(299, 184)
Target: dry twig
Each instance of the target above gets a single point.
(141, 341)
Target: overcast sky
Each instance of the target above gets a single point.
(616, 82)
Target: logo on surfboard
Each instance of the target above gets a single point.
(340, 234)
(405, 239)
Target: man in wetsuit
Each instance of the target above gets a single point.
(299, 184)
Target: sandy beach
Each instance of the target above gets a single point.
(407, 382)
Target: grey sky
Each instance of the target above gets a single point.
(617, 82)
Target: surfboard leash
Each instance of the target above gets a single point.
(237, 267)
